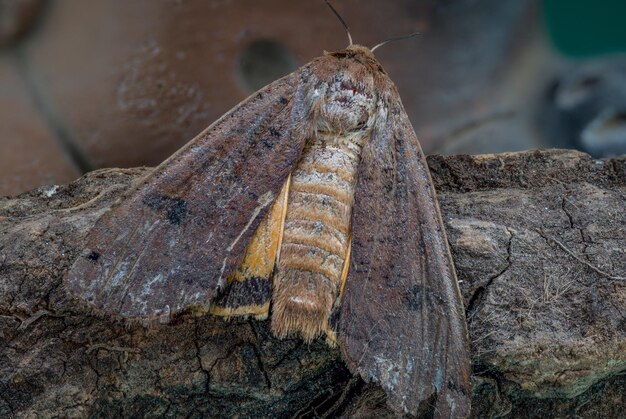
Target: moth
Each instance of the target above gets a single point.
(310, 202)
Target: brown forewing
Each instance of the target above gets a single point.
(174, 238)
(402, 322)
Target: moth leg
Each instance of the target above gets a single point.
(346, 267)
(331, 334)
(283, 197)
(249, 288)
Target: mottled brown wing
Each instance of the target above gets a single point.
(173, 240)
(402, 322)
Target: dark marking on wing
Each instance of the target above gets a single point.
(414, 297)
(175, 208)
(254, 291)
(274, 132)
(416, 294)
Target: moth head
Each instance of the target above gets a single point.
(345, 103)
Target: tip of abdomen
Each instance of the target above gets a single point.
(302, 305)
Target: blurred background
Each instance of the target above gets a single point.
(104, 83)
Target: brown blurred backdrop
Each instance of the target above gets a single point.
(102, 83)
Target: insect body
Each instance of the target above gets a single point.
(322, 172)
(316, 238)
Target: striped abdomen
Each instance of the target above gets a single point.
(316, 238)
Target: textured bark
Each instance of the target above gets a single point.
(538, 240)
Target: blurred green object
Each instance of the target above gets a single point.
(582, 28)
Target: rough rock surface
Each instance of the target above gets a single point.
(539, 242)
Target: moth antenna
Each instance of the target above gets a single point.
(397, 38)
(343, 22)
